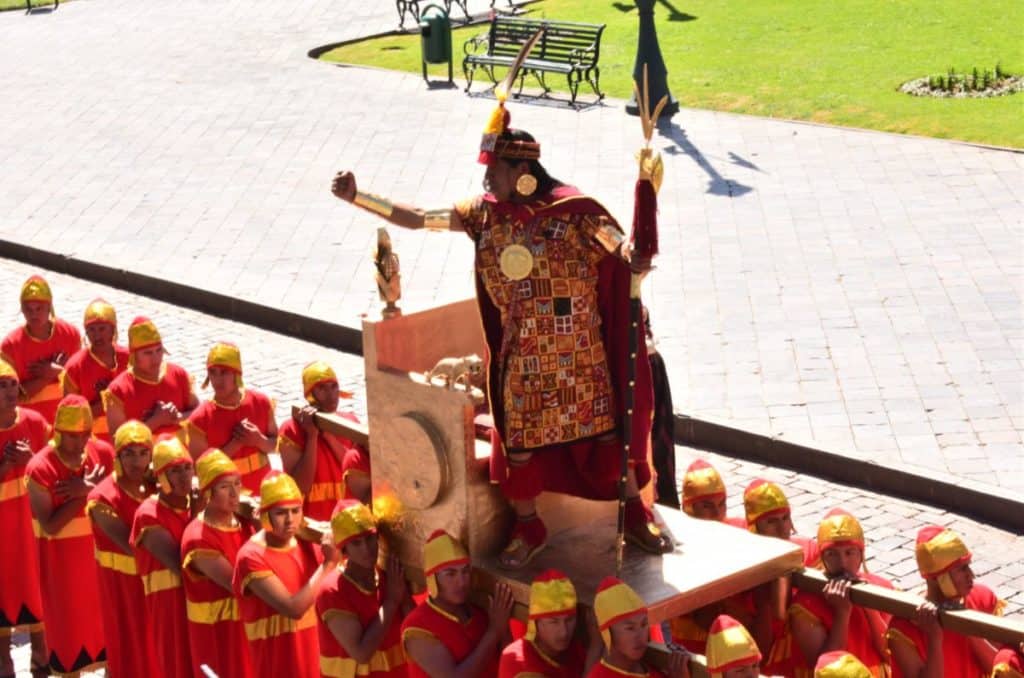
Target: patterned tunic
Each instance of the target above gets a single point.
(556, 386)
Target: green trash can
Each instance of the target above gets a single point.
(436, 38)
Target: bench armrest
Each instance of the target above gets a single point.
(584, 56)
(476, 44)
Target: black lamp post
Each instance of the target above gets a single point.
(649, 52)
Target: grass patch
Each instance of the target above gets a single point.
(6, 5)
(839, 62)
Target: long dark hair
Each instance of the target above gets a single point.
(545, 182)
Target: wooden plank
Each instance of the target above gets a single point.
(332, 423)
(999, 630)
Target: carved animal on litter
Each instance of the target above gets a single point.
(469, 370)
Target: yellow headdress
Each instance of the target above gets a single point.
(7, 371)
(701, 481)
(839, 527)
(615, 601)
(142, 333)
(441, 552)
(763, 499)
(168, 452)
(313, 374)
(132, 432)
(551, 595)
(492, 146)
(938, 551)
(840, 664)
(37, 289)
(227, 356)
(351, 519)
(213, 465)
(99, 311)
(73, 416)
(277, 489)
(729, 646)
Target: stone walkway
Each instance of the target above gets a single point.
(852, 291)
(273, 363)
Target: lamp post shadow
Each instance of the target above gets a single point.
(717, 184)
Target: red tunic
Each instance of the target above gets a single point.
(67, 567)
(164, 595)
(129, 647)
(459, 638)
(137, 396)
(21, 606)
(603, 669)
(339, 595)
(523, 659)
(280, 646)
(957, 658)
(329, 480)
(859, 640)
(88, 376)
(216, 422)
(215, 632)
(21, 350)
(1008, 664)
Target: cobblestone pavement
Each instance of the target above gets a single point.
(853, 291)
(273, 363)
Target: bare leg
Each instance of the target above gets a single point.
(40, 654)
(6, 662)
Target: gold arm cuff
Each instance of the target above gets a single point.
(438, 220)
(610, 238)
(374, 203)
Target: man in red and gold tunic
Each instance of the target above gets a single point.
(732, 652)
(840, 664)
(276, 577)
(446, 633)
(625, 631)
(209, 548)
(89, 371)
(552, 277)
(325, 466)
(918, 650)
(39, 348)
(828, 621)
(1009, 663)
(111, 508)
(238, 421)
(153, 391)
(60, 479)
(359, 607)
(549, 649)
(156, 535)
(23, 432)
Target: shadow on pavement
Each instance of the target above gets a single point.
(717, 184)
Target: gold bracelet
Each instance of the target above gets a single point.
(374, 203)
(438, 220)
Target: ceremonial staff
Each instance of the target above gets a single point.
(645, 247)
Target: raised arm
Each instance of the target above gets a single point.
(406, 216)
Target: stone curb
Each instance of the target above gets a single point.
(994, 508)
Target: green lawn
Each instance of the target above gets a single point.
(833, 62)
(20, 4)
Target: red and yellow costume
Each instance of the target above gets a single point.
(215, 631)
(280, 645)
(164, 595)
(938, 551)
(840, 664)
(730, 647)
(551, 595)
(21, 349)
(1008, 664)
(616, 601)
(838, 529)
(429, 620)
(216, 422)
(21, 606)
(67, 567)
(129, 652)
(336, 456)
(137, 395)
(701, 482)
(339, 595)
(87, 375)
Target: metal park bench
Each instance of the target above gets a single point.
(412, 8)
(566, 47)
